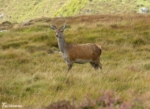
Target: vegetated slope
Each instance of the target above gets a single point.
(27, 10)
(114, 6)
(18, 10)
(32, 71)
(22, 11)
(72, 8)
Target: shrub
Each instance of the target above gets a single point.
(138, 41)
(105, 101)
(147, 66)
(61, 105)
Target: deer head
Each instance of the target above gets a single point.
(59, 32)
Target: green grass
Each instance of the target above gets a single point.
(23, 11)
(32, 72)
(71, 8)
(114, 6)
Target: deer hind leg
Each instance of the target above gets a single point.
(96, 64)
(100, 65)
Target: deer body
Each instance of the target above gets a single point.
(78, 53)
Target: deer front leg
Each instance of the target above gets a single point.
(69, 67)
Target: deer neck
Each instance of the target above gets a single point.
(62, 44)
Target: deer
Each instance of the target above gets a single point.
(77, 53)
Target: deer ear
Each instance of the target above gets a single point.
(64, 27)
(53, 27)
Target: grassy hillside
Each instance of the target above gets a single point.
(72, 8)
(22, 11)
(114, 6)
(17, 11)
(32, 71)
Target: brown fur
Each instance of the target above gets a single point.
(83, 51)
